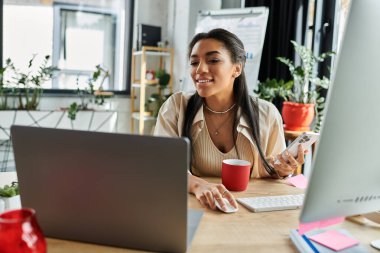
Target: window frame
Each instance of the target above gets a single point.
(1, 32)
(128, 40)
(325, 35)
(57, 40)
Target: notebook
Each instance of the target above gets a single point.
(305, 245)
(114, 189)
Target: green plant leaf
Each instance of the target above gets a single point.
(9, 190)
(307, 86)
(72, 112)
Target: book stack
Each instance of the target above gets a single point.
(306, 245)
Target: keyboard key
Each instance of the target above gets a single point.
(272, 203)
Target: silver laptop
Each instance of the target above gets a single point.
(114, 189)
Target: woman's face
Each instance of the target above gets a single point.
(212, 70)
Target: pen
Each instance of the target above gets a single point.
(310, 243)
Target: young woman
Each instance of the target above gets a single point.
(222, 121)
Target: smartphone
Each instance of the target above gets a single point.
(306, 139)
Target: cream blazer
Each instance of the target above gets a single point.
(170, 122)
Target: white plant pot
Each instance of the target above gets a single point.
(11, 203)
(2, 205)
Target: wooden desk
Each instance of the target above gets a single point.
(238, 232)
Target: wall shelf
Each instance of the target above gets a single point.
(157, 56)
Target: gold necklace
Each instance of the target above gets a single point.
(223, 112)
(216, 131)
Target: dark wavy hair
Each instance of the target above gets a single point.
(248, 105)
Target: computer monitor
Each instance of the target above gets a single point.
(345, 177)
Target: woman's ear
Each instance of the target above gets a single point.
(238, 69)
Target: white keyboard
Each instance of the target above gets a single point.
(272, 203)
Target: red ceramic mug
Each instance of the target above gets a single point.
(20, 233)
(235, 174)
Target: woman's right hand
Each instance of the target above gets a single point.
(207, 193)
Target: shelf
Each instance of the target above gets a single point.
(137, 84)
(103, 93)
(147, 113)
(152, 53)
(136, 115)
(141, 87)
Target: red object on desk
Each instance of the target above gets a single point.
(235, 174)
(20, 233)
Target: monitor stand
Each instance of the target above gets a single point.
(374, 217)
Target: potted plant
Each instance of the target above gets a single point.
(9, 197)
(90, 94)
(274, 91)
(5, 89)
(157, 99)
(305, 101)
(26, 86)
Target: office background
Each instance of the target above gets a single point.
(106, 31)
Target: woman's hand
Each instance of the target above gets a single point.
(290, 164)
(207, 193)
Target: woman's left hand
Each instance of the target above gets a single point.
(289, 164)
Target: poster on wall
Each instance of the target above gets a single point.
(249, 24)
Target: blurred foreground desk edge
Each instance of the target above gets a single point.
(239, 232)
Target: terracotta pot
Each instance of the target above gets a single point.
(297, 117)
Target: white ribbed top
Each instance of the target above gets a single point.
(207, 158)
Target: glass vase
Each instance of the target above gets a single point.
(19, 232)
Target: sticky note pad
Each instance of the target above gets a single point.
(334, 240)
(299, 181)
(305, 227)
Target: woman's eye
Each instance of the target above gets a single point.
(193, 63)
(214, 60)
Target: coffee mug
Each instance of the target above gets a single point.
(235, 174)
(20, 232)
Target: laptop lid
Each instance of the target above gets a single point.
(106, 188)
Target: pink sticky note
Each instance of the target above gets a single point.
(299, 181)
(305, 227)
(334, 240)
(330, 222)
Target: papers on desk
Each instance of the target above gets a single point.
(335, 240)
(299, 181)
(332, 240)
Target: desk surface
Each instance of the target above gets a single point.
(243, 231)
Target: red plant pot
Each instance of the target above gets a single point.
(297, 117)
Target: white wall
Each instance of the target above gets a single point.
(149, 12)
(180, 39)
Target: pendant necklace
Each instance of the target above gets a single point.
(216, 131)
(223, 112)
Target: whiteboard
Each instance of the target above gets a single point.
(249, 24)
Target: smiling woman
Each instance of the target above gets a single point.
(221, 120)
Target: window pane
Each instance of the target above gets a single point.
(79, 35)
(28, 30)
